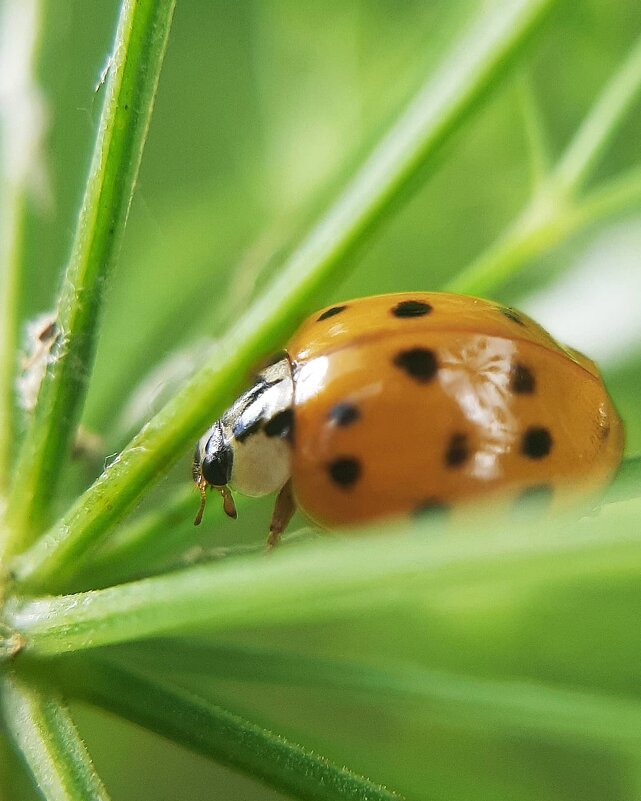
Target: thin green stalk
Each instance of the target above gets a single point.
(12, 221)
(536, 141)
(556, 210)
(441, 105)
(139, 548)
(540, 226)
(153, 535)
(6, 768)
(129, 97)
(506, 705)
(46, 738)
(326, 579)
(144, 546)
(20, 149)
(545, 223)
(620, 195)
(600, 125)
(195, 723)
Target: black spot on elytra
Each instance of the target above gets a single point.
(419, 363)
(431, 506)
(535, 498)
(345, 471)
(411, 308)
(521, 379)
(281, 425)
(536, 442)
(512, 314)
(457, 451)
(344, 414)
(49, 332)
(331, 312)
(242, 430)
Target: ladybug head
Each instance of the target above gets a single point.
(248, 449)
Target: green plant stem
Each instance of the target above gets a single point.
(620, 195)
(10, 265)
(327, 579)
(46, 738)
(219, 734)
(436, 112)
(546, 222)
(506, 705)
(556, 210)
(139, 548)
(600, 125)
(154, 535)
(7, 780)
(145, 546)
(129, 96)
(20, 148)
(536, 141)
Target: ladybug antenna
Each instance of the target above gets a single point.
(228, 502)
(202, 488)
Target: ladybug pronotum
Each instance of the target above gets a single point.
(409, 403)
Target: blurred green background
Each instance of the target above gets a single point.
(264, 109)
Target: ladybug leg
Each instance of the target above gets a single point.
(284, 508)
(201, 484)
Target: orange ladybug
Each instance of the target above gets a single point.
(414, 402)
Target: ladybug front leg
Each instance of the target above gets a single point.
(284, 508)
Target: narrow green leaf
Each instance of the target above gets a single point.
(538, 150)
(144, 541)
(6, 767)
(545, 223)
(46, 738)
(562, 715)
(21, 130)
(601, 123)
(129, 96)
(555, 212)
(618, 196)
(328, 578)
(150, 540)
(470, 69)
(219, 734)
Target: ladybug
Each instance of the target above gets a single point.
(409, 403)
